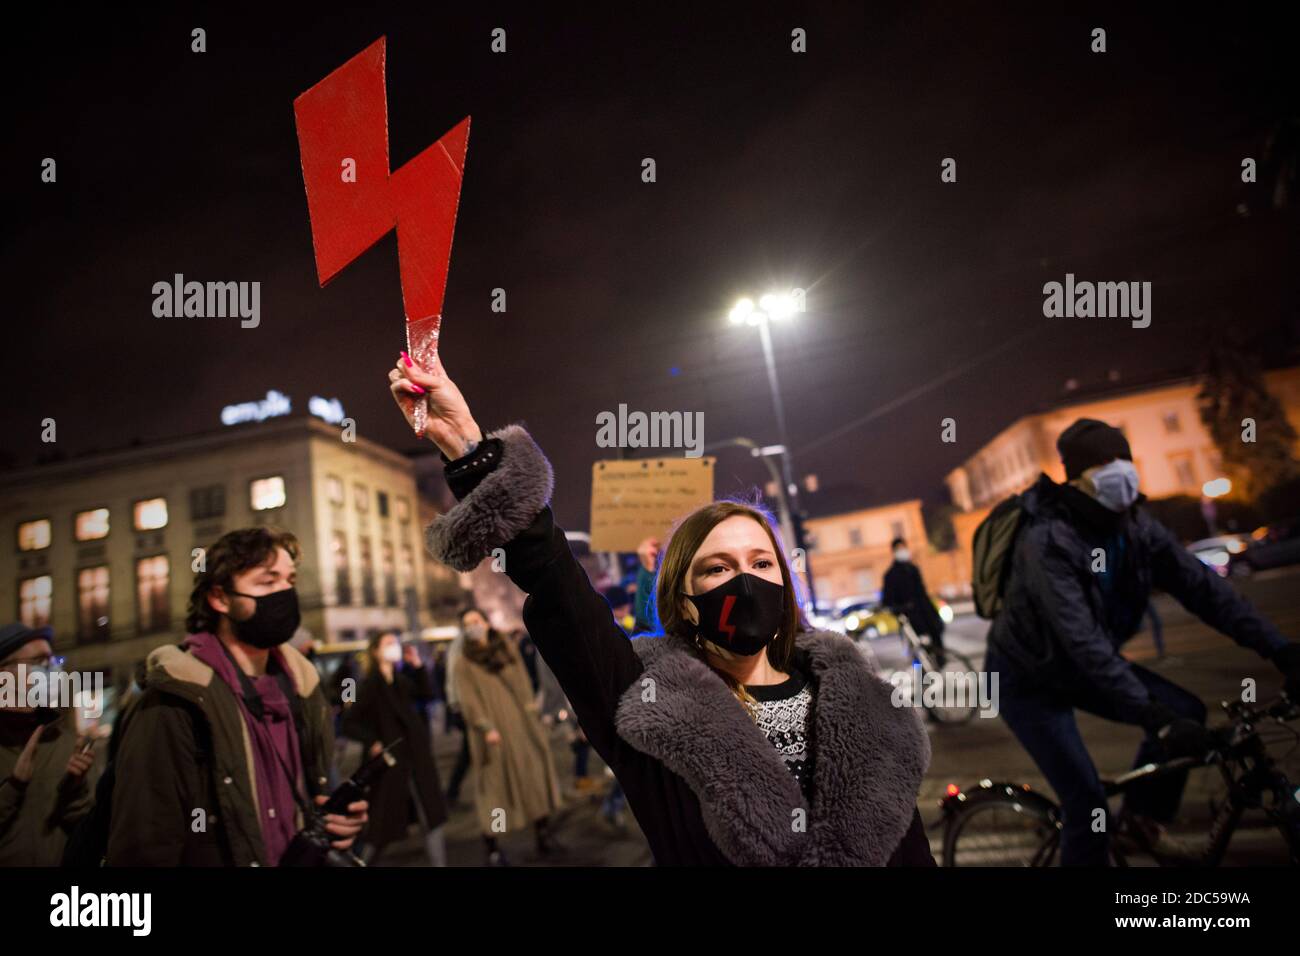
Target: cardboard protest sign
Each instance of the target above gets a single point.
(635, 500)
(353, 200)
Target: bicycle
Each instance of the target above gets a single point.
(1009, 824)
(957, 676)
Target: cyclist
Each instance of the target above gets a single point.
(904, 592)
(1083, 565)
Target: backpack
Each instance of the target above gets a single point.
(991, 551)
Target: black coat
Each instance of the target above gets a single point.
(904, 589)
(704, 783)
(1056, 622)
(384, 712)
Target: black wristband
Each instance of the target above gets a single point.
(466, 472)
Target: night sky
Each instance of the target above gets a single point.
(775, 169)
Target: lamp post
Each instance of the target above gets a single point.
(779, 307)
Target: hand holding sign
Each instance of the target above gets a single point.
(449, 423)
(353, 200)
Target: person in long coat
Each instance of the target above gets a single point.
(388, 709)
(515, 782)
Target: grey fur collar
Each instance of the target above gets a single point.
(870, 756)
(494, 513)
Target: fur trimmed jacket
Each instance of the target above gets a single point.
(705, 784)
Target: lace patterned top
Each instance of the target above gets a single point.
(785, 715)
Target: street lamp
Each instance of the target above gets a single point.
(1212, 489)
(779, 307)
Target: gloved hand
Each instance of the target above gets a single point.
(1185, 737)
(1287, 661)
(1180, 736)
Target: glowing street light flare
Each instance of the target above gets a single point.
(741, 311)
(1216, 488)
(778, 307)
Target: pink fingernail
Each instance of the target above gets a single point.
(407, 359)
(418, 390)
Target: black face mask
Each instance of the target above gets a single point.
(272, 623)
(742, 615)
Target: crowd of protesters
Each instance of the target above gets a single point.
(227, 747)
(229, 742)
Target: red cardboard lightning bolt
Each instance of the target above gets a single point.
(353, 200)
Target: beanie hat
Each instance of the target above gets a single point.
(13, 636)
(1088, 443)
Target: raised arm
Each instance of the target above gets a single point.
(504, 485)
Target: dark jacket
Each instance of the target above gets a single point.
(1058, 622)
(384, 712)
(904, 590)
(37, 818)
(705, 784)
(185, 747)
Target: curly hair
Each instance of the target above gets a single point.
(234, 553)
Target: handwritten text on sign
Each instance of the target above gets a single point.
(635, 500)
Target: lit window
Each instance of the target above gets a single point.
(403, 510)
(408, 565)
(151, 580)
(92, 603)
(92, 525)
(34, 597)
(334, 489)
(151, 514)
(34, 535)
(266, 493)
(361, 497)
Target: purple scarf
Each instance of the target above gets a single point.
(273, 734)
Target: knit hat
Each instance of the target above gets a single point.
(14, 636)
(1088, 443)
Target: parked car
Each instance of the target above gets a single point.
(1272, 546)
(1217, 552)
(871, 619)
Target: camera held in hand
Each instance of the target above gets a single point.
(313, 844)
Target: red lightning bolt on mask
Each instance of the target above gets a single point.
(723, 626)
(342, 126)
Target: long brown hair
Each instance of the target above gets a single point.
(684, 542)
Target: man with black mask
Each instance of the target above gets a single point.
(233, 734)
(1084, 562)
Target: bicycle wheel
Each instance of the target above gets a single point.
(960, 689)
(999, 831)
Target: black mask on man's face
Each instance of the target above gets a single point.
(741, 616)
(274, 620)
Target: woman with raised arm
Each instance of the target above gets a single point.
(739, 735)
